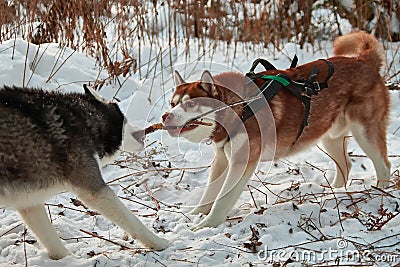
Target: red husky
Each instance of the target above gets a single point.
(355, 101)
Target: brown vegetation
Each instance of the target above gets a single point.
(87, 25)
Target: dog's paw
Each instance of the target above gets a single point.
(197, 227)
(59, 254)
(195, 211)
(382, 184)
(207, 222)
(160, 244)
(337, 183)
(201, 210)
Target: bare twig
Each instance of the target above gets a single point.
(24, 241)
(155, 200)
(8, 231)
(113, 242)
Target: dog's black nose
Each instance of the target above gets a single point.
(167, 117)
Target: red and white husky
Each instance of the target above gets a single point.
(356, 101)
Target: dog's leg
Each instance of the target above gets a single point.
(230, 193)
(106, 202)
(374, 145)
(243, 155)
(337, 149)
(37, 220)
(215, 181)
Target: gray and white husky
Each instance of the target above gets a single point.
(52, 142)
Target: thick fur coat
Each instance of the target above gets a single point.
(51, 143)
(356, 101)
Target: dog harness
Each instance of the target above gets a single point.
(302, 89)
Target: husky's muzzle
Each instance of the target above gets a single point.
(139, 136)
(133, 139)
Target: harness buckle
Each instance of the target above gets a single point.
(307, 92)
(317, 87)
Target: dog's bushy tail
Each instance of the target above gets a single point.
(360, 44)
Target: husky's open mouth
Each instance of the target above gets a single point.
(188, 126)
(176, 130)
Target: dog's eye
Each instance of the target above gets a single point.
(190, 104)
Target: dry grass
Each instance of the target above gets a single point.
(111, 30)
(369, 209)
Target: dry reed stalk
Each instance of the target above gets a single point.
(85, 25)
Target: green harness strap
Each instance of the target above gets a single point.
(279, 79)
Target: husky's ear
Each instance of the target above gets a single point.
(208, 84)
(178, 79)
(93, 93)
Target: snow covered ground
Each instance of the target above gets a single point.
(288, 215)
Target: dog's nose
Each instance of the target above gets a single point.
(167, 116)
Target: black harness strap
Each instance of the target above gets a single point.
(266, 64)
(303, 90)
(331, 70)
(294, 62)
(268, 89)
